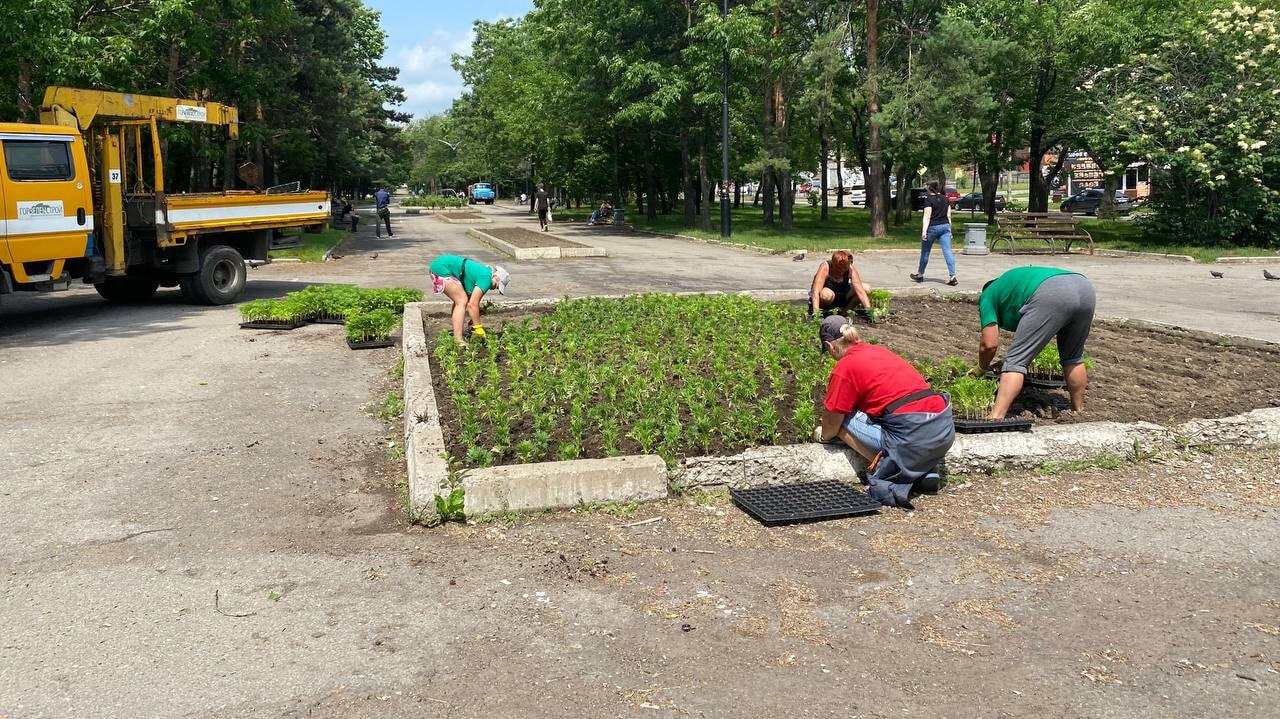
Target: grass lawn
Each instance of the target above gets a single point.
(850, 228)
(313, 246)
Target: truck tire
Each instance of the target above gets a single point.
(127, 289)
(220, 279)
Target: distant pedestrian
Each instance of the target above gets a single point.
(382, 199)
(936, 227)
(543, 202)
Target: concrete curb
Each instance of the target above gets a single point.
(538, 253)
(561, 485)
(981, 453)
(1254, 260)
(328, 254)
(1144, 255)
(423, 438)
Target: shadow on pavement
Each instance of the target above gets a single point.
(80, 315)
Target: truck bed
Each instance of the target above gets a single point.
(193, 213)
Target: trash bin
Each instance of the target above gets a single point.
(975, 238)
(618, 216)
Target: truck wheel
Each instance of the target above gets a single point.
(127, 289)
(220, 279)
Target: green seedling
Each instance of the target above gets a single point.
(971, 397)
(452, 507)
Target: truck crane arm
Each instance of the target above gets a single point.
(73, 107)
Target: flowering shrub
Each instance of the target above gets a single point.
(1204, 109)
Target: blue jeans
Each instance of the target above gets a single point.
(942, 235)
(868, 433)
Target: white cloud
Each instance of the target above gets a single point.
(426, 70)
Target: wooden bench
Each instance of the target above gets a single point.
(1053, 228)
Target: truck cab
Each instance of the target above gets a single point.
(46, 208)
(482, 192)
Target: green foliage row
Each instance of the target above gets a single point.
(330, 302)
(432, 202)
(653, 374)
(370, 326)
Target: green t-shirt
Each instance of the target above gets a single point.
(1001, 302)
(472, 274)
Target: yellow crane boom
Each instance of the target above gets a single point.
(73, 107)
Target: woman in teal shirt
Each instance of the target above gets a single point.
(465, 281)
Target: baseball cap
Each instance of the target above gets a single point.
(829, 330)
(503, 278)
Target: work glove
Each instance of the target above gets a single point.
(817, 437)
(478, 331)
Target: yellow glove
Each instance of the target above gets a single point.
(478, 331)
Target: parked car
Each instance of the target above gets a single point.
(916, 197)
(973, 201)
(952, 195)
(1089, 200)
(857, 194)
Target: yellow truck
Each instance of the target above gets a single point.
(82, 197)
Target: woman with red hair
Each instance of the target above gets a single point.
(836, 285)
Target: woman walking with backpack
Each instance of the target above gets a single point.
(936, 227)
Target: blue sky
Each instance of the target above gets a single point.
(422, 36)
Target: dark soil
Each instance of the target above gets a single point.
(1141, 375)
(462, 216)
(523, 238)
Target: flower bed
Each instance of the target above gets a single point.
(651, 374)
(691, 376)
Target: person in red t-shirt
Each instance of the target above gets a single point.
(881, 406)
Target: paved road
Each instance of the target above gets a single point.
(1183, 294)
(157, 456)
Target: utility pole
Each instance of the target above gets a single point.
(725, 226)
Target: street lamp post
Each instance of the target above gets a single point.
(725, 229)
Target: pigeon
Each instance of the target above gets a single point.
(1216, 275)
(798, 256)
(374, 256)
(1270, 276)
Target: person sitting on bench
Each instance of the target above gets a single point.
(604, 213)
(879, 404)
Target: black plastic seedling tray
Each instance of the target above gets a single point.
(804, 502)
(328, 321)
(982, 426)
(371, 344)
(271, 325)
(1037, 382)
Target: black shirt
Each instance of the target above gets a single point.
(542, 200)
(940, 206)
